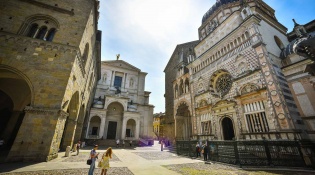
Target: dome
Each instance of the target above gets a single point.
(215, 7)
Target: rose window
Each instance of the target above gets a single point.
(223, 84)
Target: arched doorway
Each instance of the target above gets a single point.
(94, 128)
(131, 128)
(183, 127)
(227, 128)
(114, 117)
(71, 122)
(15, 95)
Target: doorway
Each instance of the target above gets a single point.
(94, 130)
(111, 131)
(228, 130)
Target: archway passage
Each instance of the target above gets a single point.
(95, 123)
(183, 122)
(228, 130)
(15, 94)
(114, 118)
(131, 128)
(71, 122)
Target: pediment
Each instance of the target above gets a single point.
(120, 64)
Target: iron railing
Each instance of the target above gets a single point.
(248, 153)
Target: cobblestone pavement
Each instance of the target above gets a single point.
(83, 156)
(154, 155)
(114, 170)
(219, 169)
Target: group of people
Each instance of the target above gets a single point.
(204, 149)
(104, 161)
(123, 143)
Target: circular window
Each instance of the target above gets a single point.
(223, 84)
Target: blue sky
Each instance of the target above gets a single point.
(146, 32)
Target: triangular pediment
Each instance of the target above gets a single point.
(120, 64)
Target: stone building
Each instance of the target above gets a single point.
(295, 61)
(49, 63)
(176, 74)
(236, 88)
(121, 108)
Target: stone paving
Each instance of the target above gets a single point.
(114, 170)
(137, 161)
(220, 169)
(83, 156)
(153, 155)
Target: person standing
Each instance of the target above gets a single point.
(105, 160)
(78, 147)
(93, 155)
(130, 143)
(123, 143)
(117, 143)
(205, 152)
(197, 150)
(162, 145)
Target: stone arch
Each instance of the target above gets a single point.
(33, 25)
(10, 72)
(228, 127)
(131, 125)
(15, 95)
(114, 120)
(94, 126)
(183, 122)
(71, 122)
(220, 82)
(247, 88)
(107, 103)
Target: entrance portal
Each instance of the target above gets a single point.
(228, 130)
(111, 132)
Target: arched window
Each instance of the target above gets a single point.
(41, 33)
(51, 34)
(86, 52)
(40, 27)
(279, 43)
(32, 30)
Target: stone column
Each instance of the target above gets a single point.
(137, 129)
(102, 127)
(123, 130)
(39, 136)
(87, 128)
(113, 78)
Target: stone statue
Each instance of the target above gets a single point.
(117, 56)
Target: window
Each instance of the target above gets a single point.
(41, 33)
(117, 81)
(42, 27)
(33, 30)
(255, 117)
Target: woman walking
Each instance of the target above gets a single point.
(105, 160)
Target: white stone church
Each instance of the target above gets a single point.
(121, 108)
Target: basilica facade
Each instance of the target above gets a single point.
(121, 108)
(230, 83)
(49, 63)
